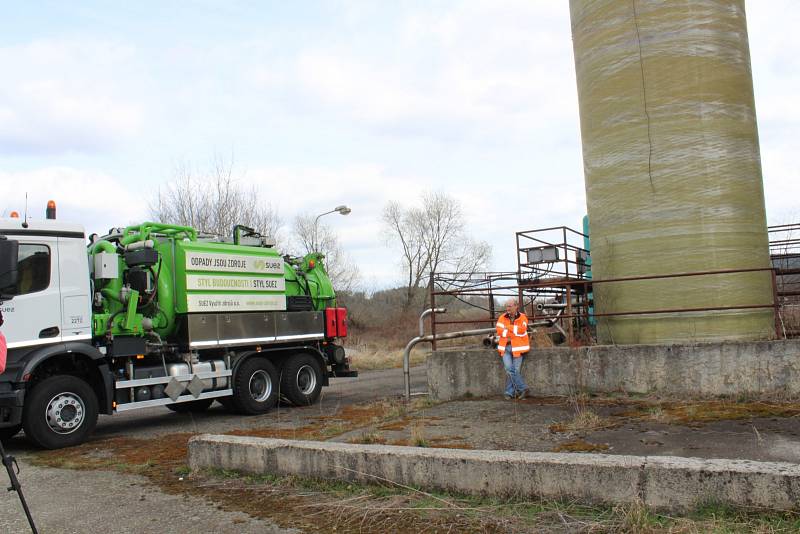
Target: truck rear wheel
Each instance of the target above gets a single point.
(196, 406)
(255, 386)
(301, 379)
(61, 411)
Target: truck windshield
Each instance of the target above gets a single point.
(33, 268)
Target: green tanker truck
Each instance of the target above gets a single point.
(157, 315)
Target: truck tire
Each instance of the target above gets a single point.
(9, 432)
(301, 379)
(197, 406)
(61, 411)
(255, 386)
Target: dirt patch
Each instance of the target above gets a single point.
(579, 445)
(403, 423)
(400, 424)
(450, 442)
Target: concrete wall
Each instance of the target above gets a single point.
(703, 369)
(660, 482)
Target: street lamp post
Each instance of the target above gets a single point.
(342, 210)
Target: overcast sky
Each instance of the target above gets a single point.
(328, 103)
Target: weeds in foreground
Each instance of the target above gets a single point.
(382, 506)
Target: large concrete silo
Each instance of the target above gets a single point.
(672, 167)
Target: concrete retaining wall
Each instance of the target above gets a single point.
(659, 482)
(763, 367)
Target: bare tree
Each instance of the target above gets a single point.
(213, 201)
(432, 238)
(310, 236)
(404, 226)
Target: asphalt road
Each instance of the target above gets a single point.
(69, 501)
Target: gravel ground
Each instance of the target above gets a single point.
(67, 501)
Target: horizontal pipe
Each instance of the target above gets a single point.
(430, 339)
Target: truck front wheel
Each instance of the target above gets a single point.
(255, 386)
(301, 379)
(60, 411)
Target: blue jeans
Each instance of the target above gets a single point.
(514, 382)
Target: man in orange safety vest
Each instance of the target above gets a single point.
(513, 342)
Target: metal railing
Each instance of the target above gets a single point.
(554, 283)
(570, 299)
(556, 252)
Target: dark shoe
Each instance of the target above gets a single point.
(524, 393)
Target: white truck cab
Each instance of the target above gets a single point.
(52, 298)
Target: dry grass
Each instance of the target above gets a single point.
(540, 339)
(368, 358)
(418, 435)
(584, 419)
(698, 413)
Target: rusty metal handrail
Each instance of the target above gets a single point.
(431, 339)
(581, 306)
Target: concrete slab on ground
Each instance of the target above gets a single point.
(661, 482)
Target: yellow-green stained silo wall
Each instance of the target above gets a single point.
(672, 167)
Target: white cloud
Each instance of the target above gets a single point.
(480, 71)
(776, 79)
(89, 197)
(67, 96)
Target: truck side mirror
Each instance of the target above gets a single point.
(9, 254)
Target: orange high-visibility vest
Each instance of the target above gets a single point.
(516, 332)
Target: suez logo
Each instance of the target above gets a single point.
(236, 263)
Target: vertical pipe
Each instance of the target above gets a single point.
(569, 315)
(492, 312)
(776, 306)
(433, 313)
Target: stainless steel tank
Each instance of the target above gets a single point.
(672, 167)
